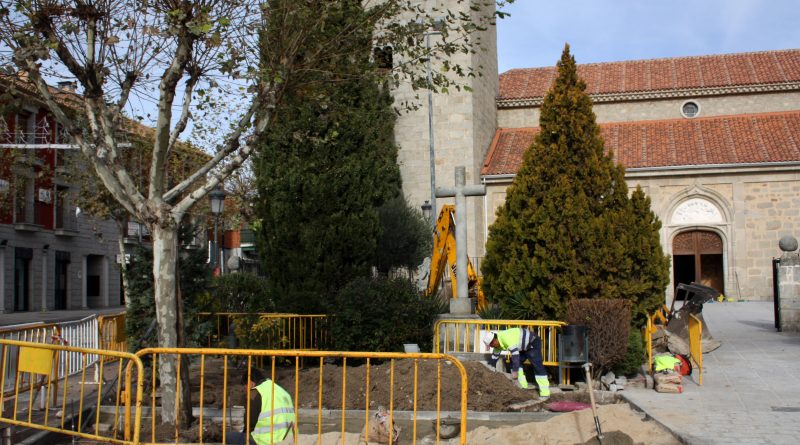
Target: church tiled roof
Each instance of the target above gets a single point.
(721, 140)
(661, 75)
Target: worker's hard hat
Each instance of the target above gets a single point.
(487, 338)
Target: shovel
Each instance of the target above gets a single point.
(587, 366)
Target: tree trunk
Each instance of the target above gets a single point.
(185, 413)
(165, 256)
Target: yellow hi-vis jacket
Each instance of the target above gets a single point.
(514, 340)
(274, 422)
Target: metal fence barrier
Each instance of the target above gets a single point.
(658, 318)
(40, 363)
(278, 331)
(111, 332)
(34, 333)
(283, 367)
(463, 335)
(696, 345)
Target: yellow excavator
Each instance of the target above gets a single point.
(444, 255)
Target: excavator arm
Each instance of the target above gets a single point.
(444, 255)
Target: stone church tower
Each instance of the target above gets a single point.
(462, 124)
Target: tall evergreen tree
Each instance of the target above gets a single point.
(568, 228)
(326, 165)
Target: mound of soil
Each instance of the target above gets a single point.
(391, 384)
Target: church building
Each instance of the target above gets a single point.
(714, 141)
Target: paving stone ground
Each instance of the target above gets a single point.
(751, 384)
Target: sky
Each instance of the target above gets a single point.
(616, 30)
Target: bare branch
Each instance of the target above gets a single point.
(169, 81)
(230, 145)
(185, 113)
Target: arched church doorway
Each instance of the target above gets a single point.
(697, 256)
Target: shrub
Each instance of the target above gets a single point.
(608, 322)
(405, 238)
(635, 355)
(381, 314)
(240, 292)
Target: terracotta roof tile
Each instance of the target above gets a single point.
(726, 140)
(724, 70)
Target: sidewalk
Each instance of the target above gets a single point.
(54, 316)
(751, 384)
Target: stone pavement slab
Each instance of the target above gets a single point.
(751, 383)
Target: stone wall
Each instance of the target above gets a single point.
(789, 279)
(664, 109)
(464, 123)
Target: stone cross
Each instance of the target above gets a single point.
(461, 304)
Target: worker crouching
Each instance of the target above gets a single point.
(519, 342)
(271, 416)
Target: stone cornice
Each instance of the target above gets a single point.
(662, 94)
(682, 170)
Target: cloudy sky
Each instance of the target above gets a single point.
(613, 30)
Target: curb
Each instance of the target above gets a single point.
(684, 440)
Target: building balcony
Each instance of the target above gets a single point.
(44, 140)
(34, 140)
(66, 224)
(28, 218)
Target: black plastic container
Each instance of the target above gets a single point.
(574, 344)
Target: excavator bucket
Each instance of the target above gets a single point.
(694, 296)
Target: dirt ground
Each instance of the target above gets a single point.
(391, 384)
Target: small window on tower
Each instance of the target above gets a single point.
(383, 57)
(690, 109)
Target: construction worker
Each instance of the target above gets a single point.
(268, 423)
(519, 342)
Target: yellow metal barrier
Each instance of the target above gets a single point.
(659, 317)
(696, 345)
(307, 385)
(39, 362)
(111, 329)
(459, 335)
(284, 331)
(38, 333)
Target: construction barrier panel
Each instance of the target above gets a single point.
(696, 345)
(463, 335)
(111, 332)
(658, 318)
(218, 379)
(274, 331)
(72, 405)
(32, 333)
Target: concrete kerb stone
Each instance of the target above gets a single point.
(678, 435)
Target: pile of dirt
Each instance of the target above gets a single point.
(438, 384)
(391, 384)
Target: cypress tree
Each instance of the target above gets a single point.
(326, 165)
(567, 228)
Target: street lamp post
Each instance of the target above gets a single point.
(427, 209)
(431, 151)
(217, 201)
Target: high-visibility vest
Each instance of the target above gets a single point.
(510, 339)
(273, 424)
(665, 362)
